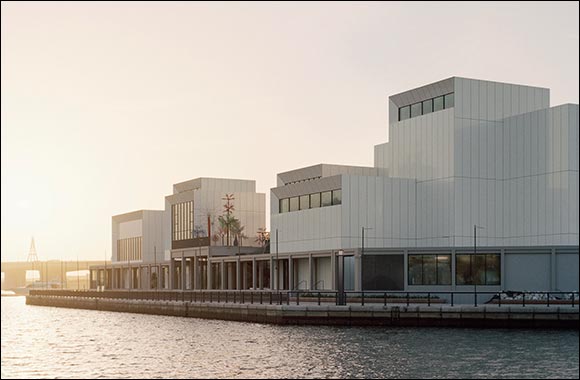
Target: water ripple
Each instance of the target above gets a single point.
(45, 342)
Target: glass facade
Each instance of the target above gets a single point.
(294, 204)
(304, 202)
(427, 106)
(438, 103)
(404, 113)
(182, 221)
(426, 269)
(314, 200)
(336, 197)
(480, 269)
(284, 205)
(449, 100)
(307, 201)
(326, 198)
(416, 110)
(130, 249)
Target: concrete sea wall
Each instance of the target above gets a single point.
(532, 316)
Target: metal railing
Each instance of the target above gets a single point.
(295, 297)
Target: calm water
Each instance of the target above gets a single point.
(43, 342)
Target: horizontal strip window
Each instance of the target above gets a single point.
(308, 201)
(427, 106)
(480, 269)
(429, 270)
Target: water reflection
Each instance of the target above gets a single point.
(67, 343)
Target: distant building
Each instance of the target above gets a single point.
(137, 245)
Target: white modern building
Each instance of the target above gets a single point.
(171, 248)
(137, 246)
(192, 223)
(462, 153)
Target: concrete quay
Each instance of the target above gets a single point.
(438, 315)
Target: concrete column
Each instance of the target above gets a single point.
(171, 273)
(183, 278)
(310, 272)
(197, 271)
(272, 279)
(290, 273)
(553, 273)
(333, 270)
(260, 266)
(254, 274)
(406, 269)
(223, 275)
(238, 275)
(501, 264)
(209, 273)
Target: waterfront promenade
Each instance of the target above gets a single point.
(286, 308)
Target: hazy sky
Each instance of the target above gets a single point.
(106, 105)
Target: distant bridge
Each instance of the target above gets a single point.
(50, 271)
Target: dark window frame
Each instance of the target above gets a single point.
(437, 281)
(471, 264)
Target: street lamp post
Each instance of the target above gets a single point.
(362, 254)
(277, 272)
(475, 227)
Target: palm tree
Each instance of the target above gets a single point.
(226, 224)
(237, 230)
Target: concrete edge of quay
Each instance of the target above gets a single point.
(352, 315)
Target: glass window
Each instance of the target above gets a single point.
(416, 110)
(284, 205)
(314, 200)
(336, 197)
(429, 270)
(427, 106)
(304, 202)
(294, 204)
(478, 269)
(415, 270)
(463, 269)
(438, 104)
(444, 269)
(327, 198)
(404, 113)
(492, 273)
(449, 100)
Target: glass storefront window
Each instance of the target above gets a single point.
(415, 270)
(480, 269)
(463, 269)
(326, 198)
(429, 270)
(493, 269)
(444, 269)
